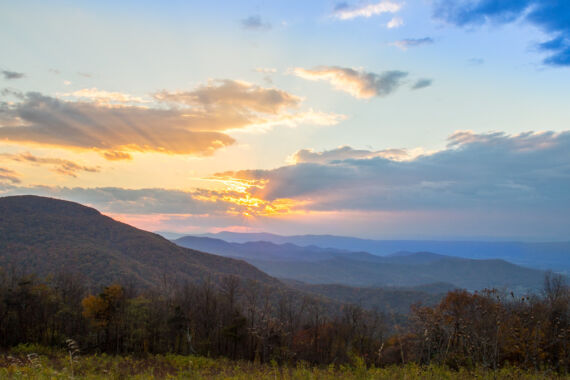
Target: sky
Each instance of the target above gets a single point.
(416, 119)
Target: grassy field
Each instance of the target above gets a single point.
(29, 362)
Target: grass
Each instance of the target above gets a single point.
(22, 363)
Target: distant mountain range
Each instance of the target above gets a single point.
(45, 236)
(548, 255)
(315, 265)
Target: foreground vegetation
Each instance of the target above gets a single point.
(24, 363)
(229, 318)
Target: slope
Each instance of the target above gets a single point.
(44, 236)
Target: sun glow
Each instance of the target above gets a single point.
(240, 193)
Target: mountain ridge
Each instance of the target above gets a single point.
(43, 236)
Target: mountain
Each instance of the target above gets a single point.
(45, 236)
(314, 265)
(263, 250)
(547, 255)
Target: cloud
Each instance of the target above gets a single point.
(358, 83)
(49, 121)
(255, 23)
(9, 75)
(395, 22)
(549, 16)
(476, 61)
(117, 156)
(493, 171)
(343, 11)
(265, 70)
(407, 43)
(61, 166)
(233, 95)
(422, 83)
(8, 176)
(192, 122)
(104, 97)
(344, 153)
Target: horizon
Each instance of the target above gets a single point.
(384, 120)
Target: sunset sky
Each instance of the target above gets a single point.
(393, 119)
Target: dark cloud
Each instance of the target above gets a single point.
(422, 83)
(12, 74)
(551, 16)
(358, 83)
(488, 171)
(255, 23)
(413, 42)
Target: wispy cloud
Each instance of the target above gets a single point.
(104, 97)
(117, 156)
(395, 22)
(347, 153)
(476, 61)
(422, 83)
(358, 83)
(344, 11)
(255, 23)
(413, 42)
(265, 70)
(61, 166)
(9, 75)
(8, 176)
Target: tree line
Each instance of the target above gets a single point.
(239, 319)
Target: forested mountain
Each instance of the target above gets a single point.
(46, 236)
(539, 255)
(315, 265)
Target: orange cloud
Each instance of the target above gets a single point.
(117, 156)
(193, 122)
(61, 166)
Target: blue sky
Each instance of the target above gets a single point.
(190, 116)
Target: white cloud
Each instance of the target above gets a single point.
(345, 12)
(395, 22)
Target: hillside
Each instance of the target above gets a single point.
(46, 236)
(389, 299)
(315, 265)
